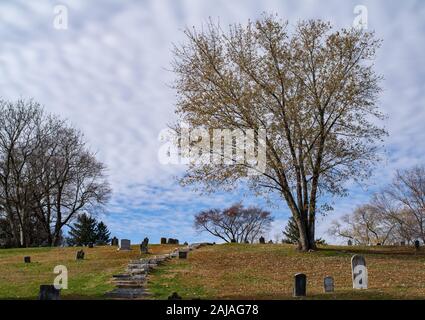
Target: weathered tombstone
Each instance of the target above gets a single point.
(125, 244)
(233, 241)
(48, 292)
(27, 259)
(378, 244)
(144, 246)
(163, 240)
(417, 245)
(359, 272)
(402, 243)
(246, 241)
(182, 254)
(90, 245)
(114, 241)
(270, 241)
(262, 240)
(300, 285)
(349, 243)
(185, 243)
(173, 241)
(80, 255)
(174, 296)
(328, 284)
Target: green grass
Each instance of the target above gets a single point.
(87, 279)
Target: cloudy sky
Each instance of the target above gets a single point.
(107, 73)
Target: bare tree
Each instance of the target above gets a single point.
(235, 224)
(314, 91)
(47, 173)
(364, 226)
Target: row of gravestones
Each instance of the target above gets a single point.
(416, 243)
(359, 278)
(169, 241)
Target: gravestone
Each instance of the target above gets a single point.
(359, 272)
(163, 240)
(80, 255)
(328, 284)
(125, 244)
(185, 243)
(233, 241)
(270, 241)
(48, 292)
(300, 285)
(182, 254)
(174, 296)
(378, 244)
(417, 245)
(144, 246)
(402, 243)
(27, 259)
(246, 241)
(173, 241)
(90, 245)
(349, 243)
(262, 240)
(114, 241)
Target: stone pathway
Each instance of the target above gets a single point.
(132, 283)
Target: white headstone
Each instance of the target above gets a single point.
(359, 272)
(125, 244)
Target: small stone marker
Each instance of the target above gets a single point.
(246, 242)
(270, 242)
(417, 245)
(27, 259)
(163, 240)
(300, 285)
(402, 243)
(233, 241)
(182, 254)
(349, 243)
(125, 244)
(144, 246)
(114, 241)
(90, 245)
(359, 272)
(174, 296)
(80, 255)
(328, 284)
(185, 243)
(262, 240)
(48, 292)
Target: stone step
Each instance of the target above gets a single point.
(127, 293)
(137, 285)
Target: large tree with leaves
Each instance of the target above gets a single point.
(312, 88)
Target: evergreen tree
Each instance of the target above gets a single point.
(84, 231)
(102, 234)
(291, 232)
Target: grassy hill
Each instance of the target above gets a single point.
(87, 279)
(231, 271)
(238, 271)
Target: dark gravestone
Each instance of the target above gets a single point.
(125, 244)
(27, 259)
(246, 241)
(182, 254)
(144, 246)
(233, 241)
(300, 285)
(114, 241)
(163, 240)
(90, 245)
(174, 296)
(417, 244)
(359, 272)
(48, 292)
(349, 243)
(402, 243)
(173, 241)
(270, 242)
(328, 284)
(186, 244)
(80, 255)
(262, 240)
(378, 244)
